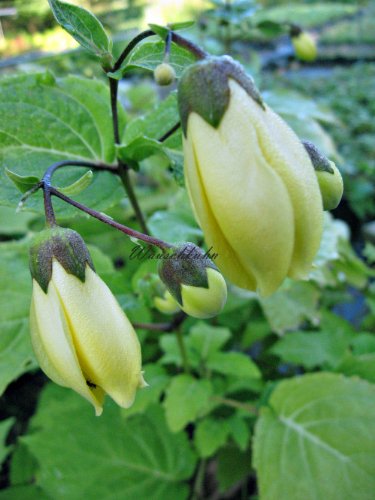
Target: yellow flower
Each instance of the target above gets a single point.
(251, 182)
(304, 46)
(81, 337)
(193, 282)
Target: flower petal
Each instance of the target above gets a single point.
(106, 344)
(53, 346)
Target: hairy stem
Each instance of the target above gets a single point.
(122, 167)
(163, 327)
(178, 39)
(48, 208)
(233, 403)
(107, 220)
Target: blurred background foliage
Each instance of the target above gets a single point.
(326, 324)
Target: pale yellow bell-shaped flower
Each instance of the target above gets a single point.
(81, 337)
(251, 183)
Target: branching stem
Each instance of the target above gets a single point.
(107, 220)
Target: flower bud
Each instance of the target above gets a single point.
(166, 304)
(304, 44)
(81, 337)
(328, 175)
(251, 183)
(164, 74)
(194, 281)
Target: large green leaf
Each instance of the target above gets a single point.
(293, 303)
(83, 26)
(314, 440)
(15, 294)
(42, 121)
(187, 399)
(81, 456)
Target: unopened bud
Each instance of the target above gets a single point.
(194, 281)
(304, 44)
(328, 175)
(164, 74)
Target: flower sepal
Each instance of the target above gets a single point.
(64, 245)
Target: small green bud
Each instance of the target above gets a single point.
(204, 89)
(164, 74)
(64, 245)
(304, 44)
(194, 281)
(329, 178)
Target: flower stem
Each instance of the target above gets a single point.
(170, 132)
(198, 482)
(48, 208)
(131, 45)
(179, 40)
(47, 177)
(107, 220)
(181, 346)
(163, 327)
(233, 403)
(122, 167)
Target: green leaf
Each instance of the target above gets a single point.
(83, 26)
(207, 339)
(233, 466)
(42, 121)
(156, 123)
(157, 379)
(239, 430)
(210, 435)
(233, 363)
(13, 222)
(79, 185)
(292, 304)
(174, 227)
(23, 466)
(23, 182)
(162, 31)
(317, 427)
(136, 457)
(271, 28)
(362, 365)
(181, 26)
(139, 149)
(148, 55)
(24, 492)
(364, 343)
(311, 349)
(16, 355)
(186, 399)
(5, 426)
